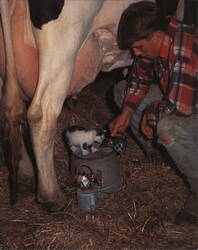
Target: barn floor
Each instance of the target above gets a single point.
(139, 216)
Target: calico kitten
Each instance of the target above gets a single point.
(84, 141)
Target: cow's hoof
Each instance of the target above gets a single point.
(54, 208)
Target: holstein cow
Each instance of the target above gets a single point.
(44, 60)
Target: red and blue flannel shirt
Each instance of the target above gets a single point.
(175, 70)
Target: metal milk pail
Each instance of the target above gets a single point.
(105, 166)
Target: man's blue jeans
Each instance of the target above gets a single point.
(183, 131)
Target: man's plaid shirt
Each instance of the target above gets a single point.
(176, 71)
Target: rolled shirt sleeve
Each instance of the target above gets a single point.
(139, 81)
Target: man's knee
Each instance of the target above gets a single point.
(165, 138)
(173, 128)
(166, 131)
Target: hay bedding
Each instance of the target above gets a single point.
(140, 216)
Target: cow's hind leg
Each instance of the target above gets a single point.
(13, 125)
(12, 106)
(26, 172)
(1, 126)
(42, 122)
(1, 87)
(58, 43)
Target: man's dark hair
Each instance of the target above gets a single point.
(138, 22)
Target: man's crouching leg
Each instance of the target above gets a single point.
(179, 135)
(153, 94)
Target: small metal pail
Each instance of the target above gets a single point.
(105, 166)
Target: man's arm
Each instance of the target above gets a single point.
(140, 80)
(121, 122)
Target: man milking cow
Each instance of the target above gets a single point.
(47, 100)
(159, 100)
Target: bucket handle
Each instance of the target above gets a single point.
(86, 166)
(97, 176)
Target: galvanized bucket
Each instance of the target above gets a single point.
(105, 166)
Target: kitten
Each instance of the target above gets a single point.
(84, 141)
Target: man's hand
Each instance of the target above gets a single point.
(121, 122)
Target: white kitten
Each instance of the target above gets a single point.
(84, 140)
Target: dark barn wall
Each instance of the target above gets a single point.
(190, 13)
(190, 9)
(168, 7)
